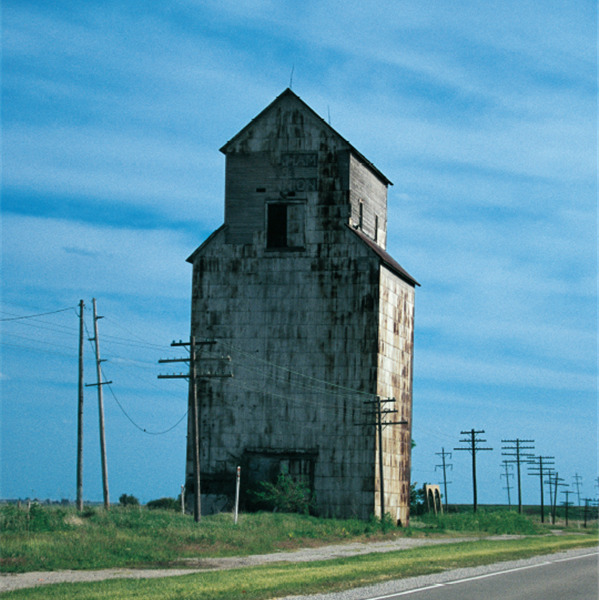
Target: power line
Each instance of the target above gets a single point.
(323, 382)
(53, 312)
(120, 405)
(298, 385)
(143, 429)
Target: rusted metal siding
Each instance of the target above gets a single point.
(394, 380)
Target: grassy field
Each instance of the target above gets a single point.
(46, 538)
(54, 538)
(275, 581)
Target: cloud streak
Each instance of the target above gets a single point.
(484, 116)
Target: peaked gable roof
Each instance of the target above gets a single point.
(288, 93)
(385, 258)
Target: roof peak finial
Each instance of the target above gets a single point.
(292, 77)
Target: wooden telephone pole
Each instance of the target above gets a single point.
(520, 457)
(444, 466)
(542, 465)
(472, 440)
(380, 423)
(80, 414)
(100, 383)
(194, 408)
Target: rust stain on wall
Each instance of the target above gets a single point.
(318, 319)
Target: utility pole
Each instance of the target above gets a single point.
(553, 477)
(443, 466)
(550, 475)
(379, 415)
(506, 474)
(473, 449)
(577, 479)
(539, 470)
(586, 510)
(519, 458)
(80, 414)
(192, 376)
(567, 504)
(100, 407)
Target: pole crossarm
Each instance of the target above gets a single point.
(193, 376)
(541, 463)
(379, 423)
(473, 448)
(444, 466)
(519, 458)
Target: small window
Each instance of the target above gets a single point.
(376, 227)
(360, 215)
(285, 225)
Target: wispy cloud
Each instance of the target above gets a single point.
(109, 260)
(484, 116)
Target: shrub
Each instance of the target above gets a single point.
(164, 504)
(125, 500)
(33, 517)
(417, 499)
(287, 495)
(495, 522)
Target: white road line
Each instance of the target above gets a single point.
(498, 573)
(422, 589)
(486, 575)
(576, 557)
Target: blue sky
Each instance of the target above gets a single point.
(483, 114)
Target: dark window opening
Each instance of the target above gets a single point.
(277, 225)
(261, 190)
(360, 216)
(285, 225)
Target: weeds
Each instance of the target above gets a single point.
(52, 538)
(48, 538)
(483, 521)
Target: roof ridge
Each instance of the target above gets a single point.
(289, 92)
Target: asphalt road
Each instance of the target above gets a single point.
(562, 579)
(571, 575)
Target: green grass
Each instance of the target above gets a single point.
(48, 538)
(57, 538)
(280, 580)
(483, 521)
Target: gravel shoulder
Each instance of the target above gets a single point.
(14, 581)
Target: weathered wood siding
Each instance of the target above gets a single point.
(309, 327)
(278, 316)
(371, 192)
